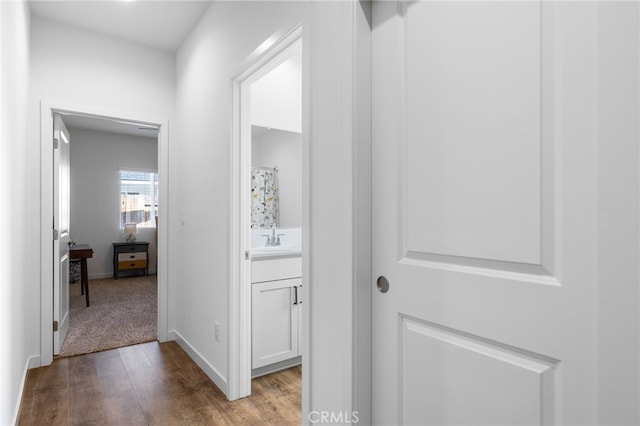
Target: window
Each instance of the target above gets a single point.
(138, 198)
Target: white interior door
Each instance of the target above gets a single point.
(484, 215)
(61, 205)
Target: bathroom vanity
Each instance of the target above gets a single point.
(276, 308)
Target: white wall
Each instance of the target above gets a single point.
(16, 310)
(92, 69)
(206, 63)
(281, 148)
(73, 64)
(336, 39)
(276, 98)
(96, 158)
(79, 67)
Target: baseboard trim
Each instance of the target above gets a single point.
(209, 369)
(32, 362)
(101, 275)
(276, 366)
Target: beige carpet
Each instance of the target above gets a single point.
(123, 312)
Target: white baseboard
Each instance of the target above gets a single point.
(32, 362)
(100, 275)
(276, 366)
(209, 369)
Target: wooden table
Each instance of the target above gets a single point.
(82, 252)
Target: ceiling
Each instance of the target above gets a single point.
(110, 126)
(163, 24)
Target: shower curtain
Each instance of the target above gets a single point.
(264, 197)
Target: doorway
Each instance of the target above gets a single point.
(47, 206)
(276, 216)
(266, 251)
(113, 174)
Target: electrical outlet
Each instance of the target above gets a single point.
(216, 328)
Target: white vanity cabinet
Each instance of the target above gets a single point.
(276, 315)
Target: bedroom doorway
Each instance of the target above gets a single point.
(112, 164)
(98, 127)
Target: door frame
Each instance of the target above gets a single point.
(274, 51)
(47, 109)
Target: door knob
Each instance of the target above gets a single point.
(383, 284)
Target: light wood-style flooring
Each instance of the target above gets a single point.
(151, 384)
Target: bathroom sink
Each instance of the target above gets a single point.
(275, 251)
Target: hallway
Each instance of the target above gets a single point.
(150, 384)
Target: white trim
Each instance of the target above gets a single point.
(162, 230)
(47, 107)
(209, 369)
(276, 366)
(102, 275)
(361, 198)
(259, 63)
(339, 114)
(32, 362)
(305, 328)
(46, 234)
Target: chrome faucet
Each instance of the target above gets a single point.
(272, 240)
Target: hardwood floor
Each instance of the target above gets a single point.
(151, 384)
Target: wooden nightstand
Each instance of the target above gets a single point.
(130, 257)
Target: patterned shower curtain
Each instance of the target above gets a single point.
(264, 197)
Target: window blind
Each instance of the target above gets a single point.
(138, 198)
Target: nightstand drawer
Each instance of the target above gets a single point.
(125, 257)
(127, 248)
(132, 264)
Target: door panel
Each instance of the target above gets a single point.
(484, 320)
(472, 143)
(465, 378)
(61, 206)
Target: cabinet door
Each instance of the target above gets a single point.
(274, 322)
